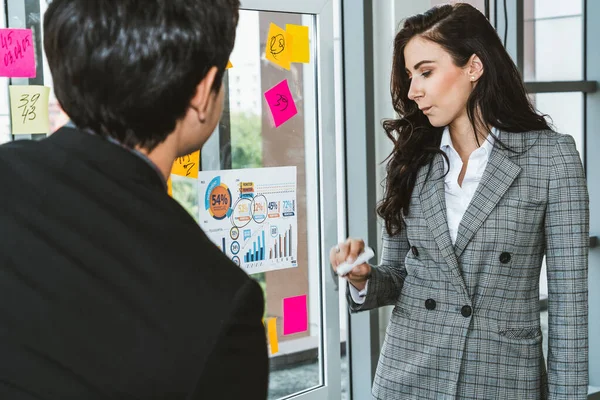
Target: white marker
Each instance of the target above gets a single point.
(363, 257)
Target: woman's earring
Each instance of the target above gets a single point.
(472, 78)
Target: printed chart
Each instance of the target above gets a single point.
(250, 214)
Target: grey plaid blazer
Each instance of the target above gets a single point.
(466, 319)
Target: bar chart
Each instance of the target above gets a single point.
(257, 250)
(279, 247)
(282, 248)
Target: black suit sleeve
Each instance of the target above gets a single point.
(238, 367)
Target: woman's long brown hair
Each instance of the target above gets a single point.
(498, 100)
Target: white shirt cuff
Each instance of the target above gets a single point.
(358, 296)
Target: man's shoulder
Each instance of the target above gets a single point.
(20, 158)
(16, 149)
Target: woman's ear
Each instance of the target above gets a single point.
(475, 68)
(201, 100)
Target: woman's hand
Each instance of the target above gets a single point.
(348, 251)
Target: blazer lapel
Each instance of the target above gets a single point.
(433, 203)
(498, 176)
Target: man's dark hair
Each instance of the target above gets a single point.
(129, 68)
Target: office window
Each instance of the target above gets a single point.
(553, 40)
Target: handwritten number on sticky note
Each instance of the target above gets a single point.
(6, 40)
(28, 106)
(188, 167)
(15, 50)
(277, 45)
(282, 102)
(29, 109)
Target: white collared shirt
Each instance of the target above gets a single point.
(457, 197)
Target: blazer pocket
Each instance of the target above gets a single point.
(523, 203)
(531, 332)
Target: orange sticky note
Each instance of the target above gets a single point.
(279, 47)
(229, 65)
(187, 165)
(272, 330)
(300, 50)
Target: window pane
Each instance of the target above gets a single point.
(556, 8)
(566, 114)
(247, 138)
(564, 34)
(554, 25)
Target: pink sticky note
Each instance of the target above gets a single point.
(281, 103)
(17, 55)
(295, 315)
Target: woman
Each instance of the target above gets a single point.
(478, 190)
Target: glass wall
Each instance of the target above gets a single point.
(255, 142)
(553, 40)
(249, 138)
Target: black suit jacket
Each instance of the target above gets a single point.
(109, 289)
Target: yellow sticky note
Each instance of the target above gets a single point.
(29, 109)
(300, 50)
(229, 65)
(279, 46)
(272, 330)
(170, 187)
(187, 165)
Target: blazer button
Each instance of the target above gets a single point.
(415, 251)
(466, 311)
(430, 304)
(505, 258)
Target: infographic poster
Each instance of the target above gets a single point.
(251, 215)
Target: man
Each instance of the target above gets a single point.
(108, 288)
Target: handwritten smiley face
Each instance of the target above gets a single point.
(281, 103)
(277, 44)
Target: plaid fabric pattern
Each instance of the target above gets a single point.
(482, 339)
